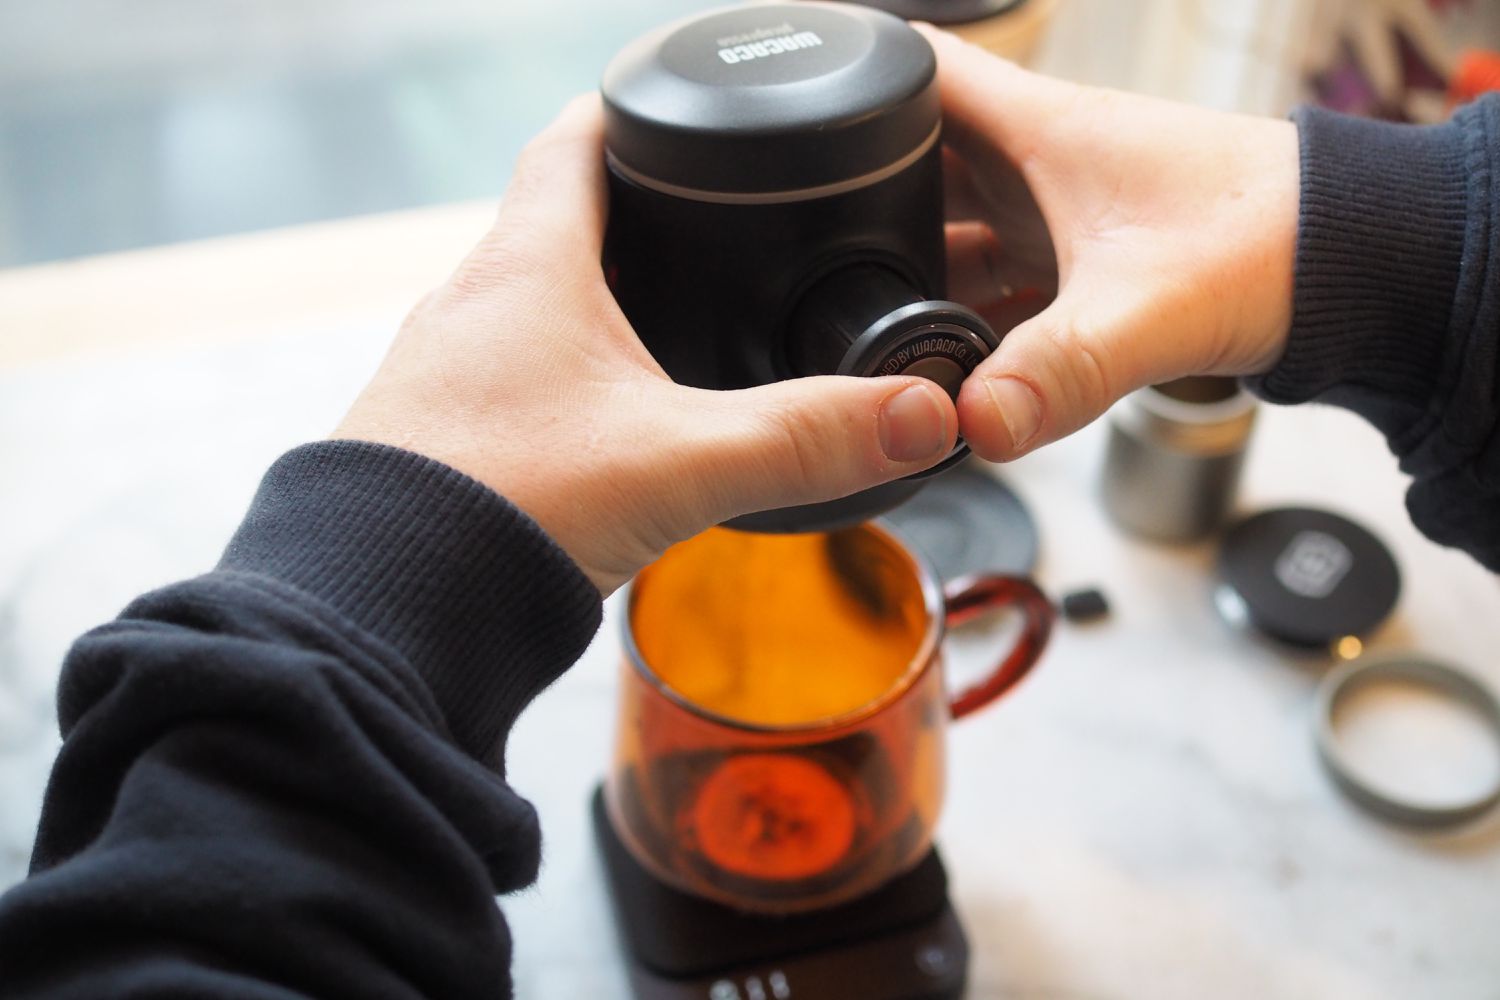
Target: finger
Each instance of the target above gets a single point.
(1064, 367)
(554, 208)
(975, 270)
(991, 104)
(1031, 389)
(997, 194)
(1002, 200)
(814, 439)
(983, 273)
(962, 200)
(558, 187)
(1006, 315)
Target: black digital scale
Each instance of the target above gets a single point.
(901, 942)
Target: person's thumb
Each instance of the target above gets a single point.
(1059, 370)
(990, 105)
(808, 440)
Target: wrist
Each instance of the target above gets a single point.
(458, 581)
(1274, 176)
(1379, 246)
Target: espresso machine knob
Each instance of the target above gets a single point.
(866, 319)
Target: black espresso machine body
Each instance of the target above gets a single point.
(776, 210)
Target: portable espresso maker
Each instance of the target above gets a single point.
(776, 210)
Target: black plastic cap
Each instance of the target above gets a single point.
(770, 98)
(1308, 577)
(968, 522)
(926, 332)
(940, 341)
(945, 11)
(1084, 605)
(831, 515)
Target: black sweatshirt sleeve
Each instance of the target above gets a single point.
(1396, 307)
(285, 778)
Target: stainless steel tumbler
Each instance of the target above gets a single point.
(1173, 461)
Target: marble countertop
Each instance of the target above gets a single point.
(1145, 817)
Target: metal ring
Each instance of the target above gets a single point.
(1459, 685)
(828, 190)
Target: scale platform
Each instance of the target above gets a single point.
(901, 942)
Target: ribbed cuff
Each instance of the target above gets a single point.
(480, 601)
(1380, 237)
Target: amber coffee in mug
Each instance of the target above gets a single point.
(781, 737)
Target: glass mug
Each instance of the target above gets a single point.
(780, 745)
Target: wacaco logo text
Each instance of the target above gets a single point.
(747, 51)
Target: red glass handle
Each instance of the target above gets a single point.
(971, 596)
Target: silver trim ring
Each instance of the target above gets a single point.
(773, 197)
(1460, 686)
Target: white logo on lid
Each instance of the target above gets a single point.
(1313, 564)
(770, 47)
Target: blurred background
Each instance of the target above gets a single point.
(125, 125)
(130, 124)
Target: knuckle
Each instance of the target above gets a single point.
(1083, 363)
(420, 311)
(803, 444)
(502, 257)
(531, 167)
(534, 175)
(539, 160)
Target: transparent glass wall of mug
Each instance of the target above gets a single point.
(782, 713)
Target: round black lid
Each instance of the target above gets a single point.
(771, 99)
(942, 342)
(1308, 577)
(969, 522)
(945, 11)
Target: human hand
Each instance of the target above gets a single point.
(522, 372)
(1174, 232)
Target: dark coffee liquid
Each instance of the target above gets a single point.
(780, 630)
